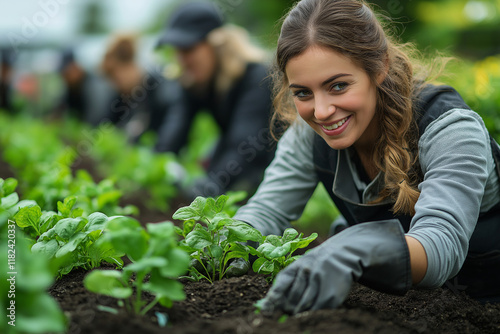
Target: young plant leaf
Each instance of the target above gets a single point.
(241, 232)
(9, 201)
(108, 283)
(67, 227)
(198, 239)
(289, 234)
(186, 213)
(8, 186)
(47, 248)
(28, 217)
(72, 244)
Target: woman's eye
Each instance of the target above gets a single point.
(338, 87)
(301, 94)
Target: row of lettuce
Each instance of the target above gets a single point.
(39, 246)
(52, 161)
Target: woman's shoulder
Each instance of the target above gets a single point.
(430, 102)
(299, 135)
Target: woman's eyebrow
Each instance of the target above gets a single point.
(324, 83)
(335, 77)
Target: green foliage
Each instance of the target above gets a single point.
(25, 306)
(9, 199)
(275, 253)
(135, 168)
(66, 238)
(44, 166)
(156, 262)
(476, 82)
(217, 241)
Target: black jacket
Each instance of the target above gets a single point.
(245, 147)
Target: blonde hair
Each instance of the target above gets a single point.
(234, 51)
(351, 28)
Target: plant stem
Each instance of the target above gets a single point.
(138, 291)
(149, 306)
(205, 268)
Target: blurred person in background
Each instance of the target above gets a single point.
(223, 73)
(85, 96)
(6, 59)
(141, 99)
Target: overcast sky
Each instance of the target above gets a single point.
(63, 15)
(32, 23)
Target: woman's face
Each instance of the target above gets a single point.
(198, 62)
(335, 97)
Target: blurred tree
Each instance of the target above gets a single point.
(93, 19)
(261, 17)
(469, 28)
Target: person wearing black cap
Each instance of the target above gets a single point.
(223, 73)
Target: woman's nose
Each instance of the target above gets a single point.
(323, 111)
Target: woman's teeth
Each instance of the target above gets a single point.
(335, 125)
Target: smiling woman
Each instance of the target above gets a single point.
(332, 94)
(409, 165)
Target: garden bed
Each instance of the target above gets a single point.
(227, 307)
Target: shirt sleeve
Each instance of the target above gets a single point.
(454, 154)
(288, 184)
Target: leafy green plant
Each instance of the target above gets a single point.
(156, 263)
(217, 241)
(44, 164)
(66, 237)
(135, 168)
(276, 252)
(25, 306)
(9, 199)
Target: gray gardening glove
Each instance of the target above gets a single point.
(375, 254)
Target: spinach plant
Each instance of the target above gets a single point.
(25, 306)
(9, 199)
(216, 242)
(67, 238)
(276, 252)
(156, 263)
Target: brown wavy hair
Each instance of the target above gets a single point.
(351, 28)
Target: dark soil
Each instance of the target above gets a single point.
(226, 307)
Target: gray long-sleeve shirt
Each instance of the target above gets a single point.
(459, 183)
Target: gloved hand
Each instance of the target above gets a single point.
(374, 253)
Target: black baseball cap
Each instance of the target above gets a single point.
(190, 24)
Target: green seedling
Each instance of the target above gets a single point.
(9, 199)
(25, 306)
(156, 263)
(215, 241)
(66, 238)
(276, 252)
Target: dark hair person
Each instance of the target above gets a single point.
(409, 165)
(140, 101)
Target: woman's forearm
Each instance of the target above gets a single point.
(418, 259)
